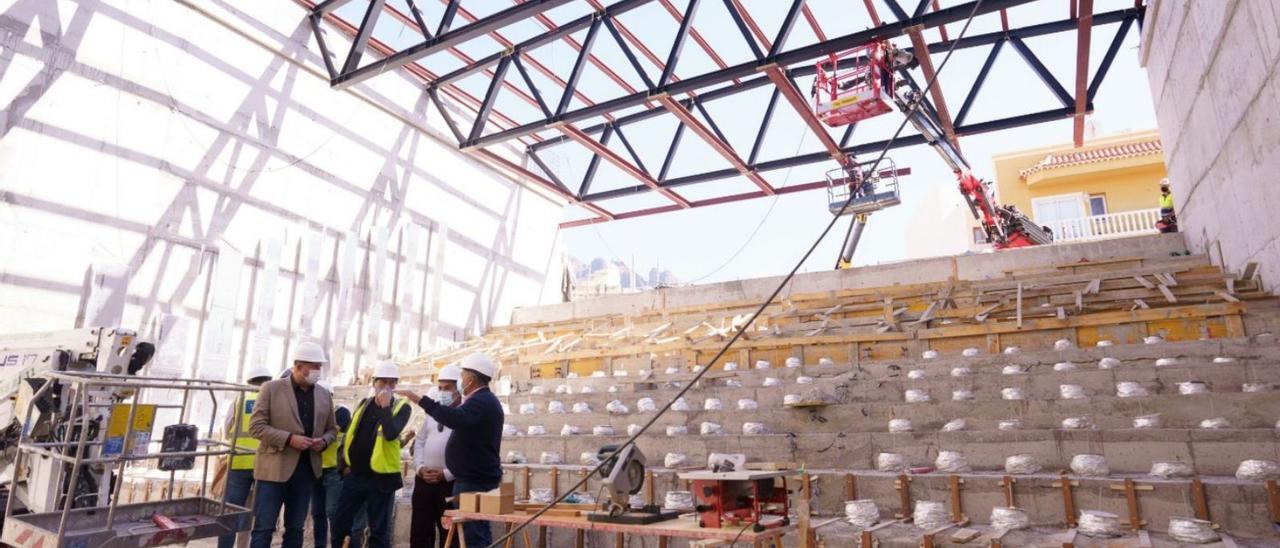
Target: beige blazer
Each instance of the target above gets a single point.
(275, 417)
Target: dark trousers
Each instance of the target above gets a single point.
(239, 485)
(359, 492)
(477, 533)
(294, 495)
(324, 506)
(428, 507)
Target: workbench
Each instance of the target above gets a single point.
(682, 527)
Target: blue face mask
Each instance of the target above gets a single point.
(445, 398)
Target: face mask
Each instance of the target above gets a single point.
(445, 398)
(313, 376)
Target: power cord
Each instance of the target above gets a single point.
(759, 310)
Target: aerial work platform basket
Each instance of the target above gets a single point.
(865, 192)
(854, 85)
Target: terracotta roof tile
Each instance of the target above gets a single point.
(1090, 156)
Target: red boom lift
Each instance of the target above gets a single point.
(859, 83)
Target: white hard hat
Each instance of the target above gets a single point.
(257, 372)
(481, 364)
(309, 351)
(386, 370)
(450, 372)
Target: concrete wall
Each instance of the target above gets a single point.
(979, 266)
(1212, 67)
(230, 202)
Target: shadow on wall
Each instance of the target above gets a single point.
(181, 241)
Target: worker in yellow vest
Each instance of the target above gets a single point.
(1168, 220)
(240, 475)
(324, 501)
(370, 456)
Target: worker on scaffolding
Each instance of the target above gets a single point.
(371, 459)
(240, 473)
(1168, 221)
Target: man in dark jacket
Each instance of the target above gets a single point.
(472, 451)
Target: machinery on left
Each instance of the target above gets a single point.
(62, 395)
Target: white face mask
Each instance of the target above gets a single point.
(445, 398)
(313, 376)
(374, 391)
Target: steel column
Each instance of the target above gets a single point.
(1085, 11)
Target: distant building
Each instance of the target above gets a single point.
(1108, 188)
(603, 277)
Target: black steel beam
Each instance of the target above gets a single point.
(594, 164)
(671, 153)
(788, 23)
(764, 126)
(361, 39)
(324, 48)
(807, 69)
(446, 40)
(795, 56)
(540, 40)
(711, 123)
(486, 106)
(626, 50)
(921, 6)
(848, 132)
(742, 28)
(1109, 57)
(446, 20)
(897, 10)
(572, 84)
(550, 173)
(418, 20)
(627, 144)
(824, 156)
(676, 46)
(978, 82)
(328, 5)
(718, 93)
(444, 112)
(533, 89)
(1041, 71)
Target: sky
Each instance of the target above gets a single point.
(767, 236)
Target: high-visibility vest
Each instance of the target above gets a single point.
(1166, 201)
(386, 453)
(329, 457)
(245, 442)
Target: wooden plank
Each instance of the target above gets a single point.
(1250, 270)
(1062, 313)
(1019, 306)
(1226, 297)
(1168, 295)
(1142, 280)
(1141, 304)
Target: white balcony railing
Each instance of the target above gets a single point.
(1101, 227)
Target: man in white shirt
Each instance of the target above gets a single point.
(433, 483)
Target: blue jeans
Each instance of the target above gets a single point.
(476, 533)
(356, 493)
(294, 495)
(239, 484)
(324, 506)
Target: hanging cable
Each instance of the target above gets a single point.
(754, 315)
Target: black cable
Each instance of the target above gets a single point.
(740, 532)
(759, 310)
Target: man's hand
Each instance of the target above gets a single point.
(431, 475)
(409, 395)
(301, 443)
(383, 399)
(318, 445)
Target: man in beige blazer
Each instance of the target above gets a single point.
(293, 422)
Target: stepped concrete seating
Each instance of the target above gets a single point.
(872, 327)
(845, 437)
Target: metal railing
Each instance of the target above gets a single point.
(1101, 227)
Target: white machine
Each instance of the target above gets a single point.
(56, 416)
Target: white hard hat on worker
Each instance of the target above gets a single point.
(308, 359)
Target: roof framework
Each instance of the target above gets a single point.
(517, 91)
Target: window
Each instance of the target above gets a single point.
(1097, 204)
(979, 235)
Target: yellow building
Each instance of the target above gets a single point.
(1108, 188)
